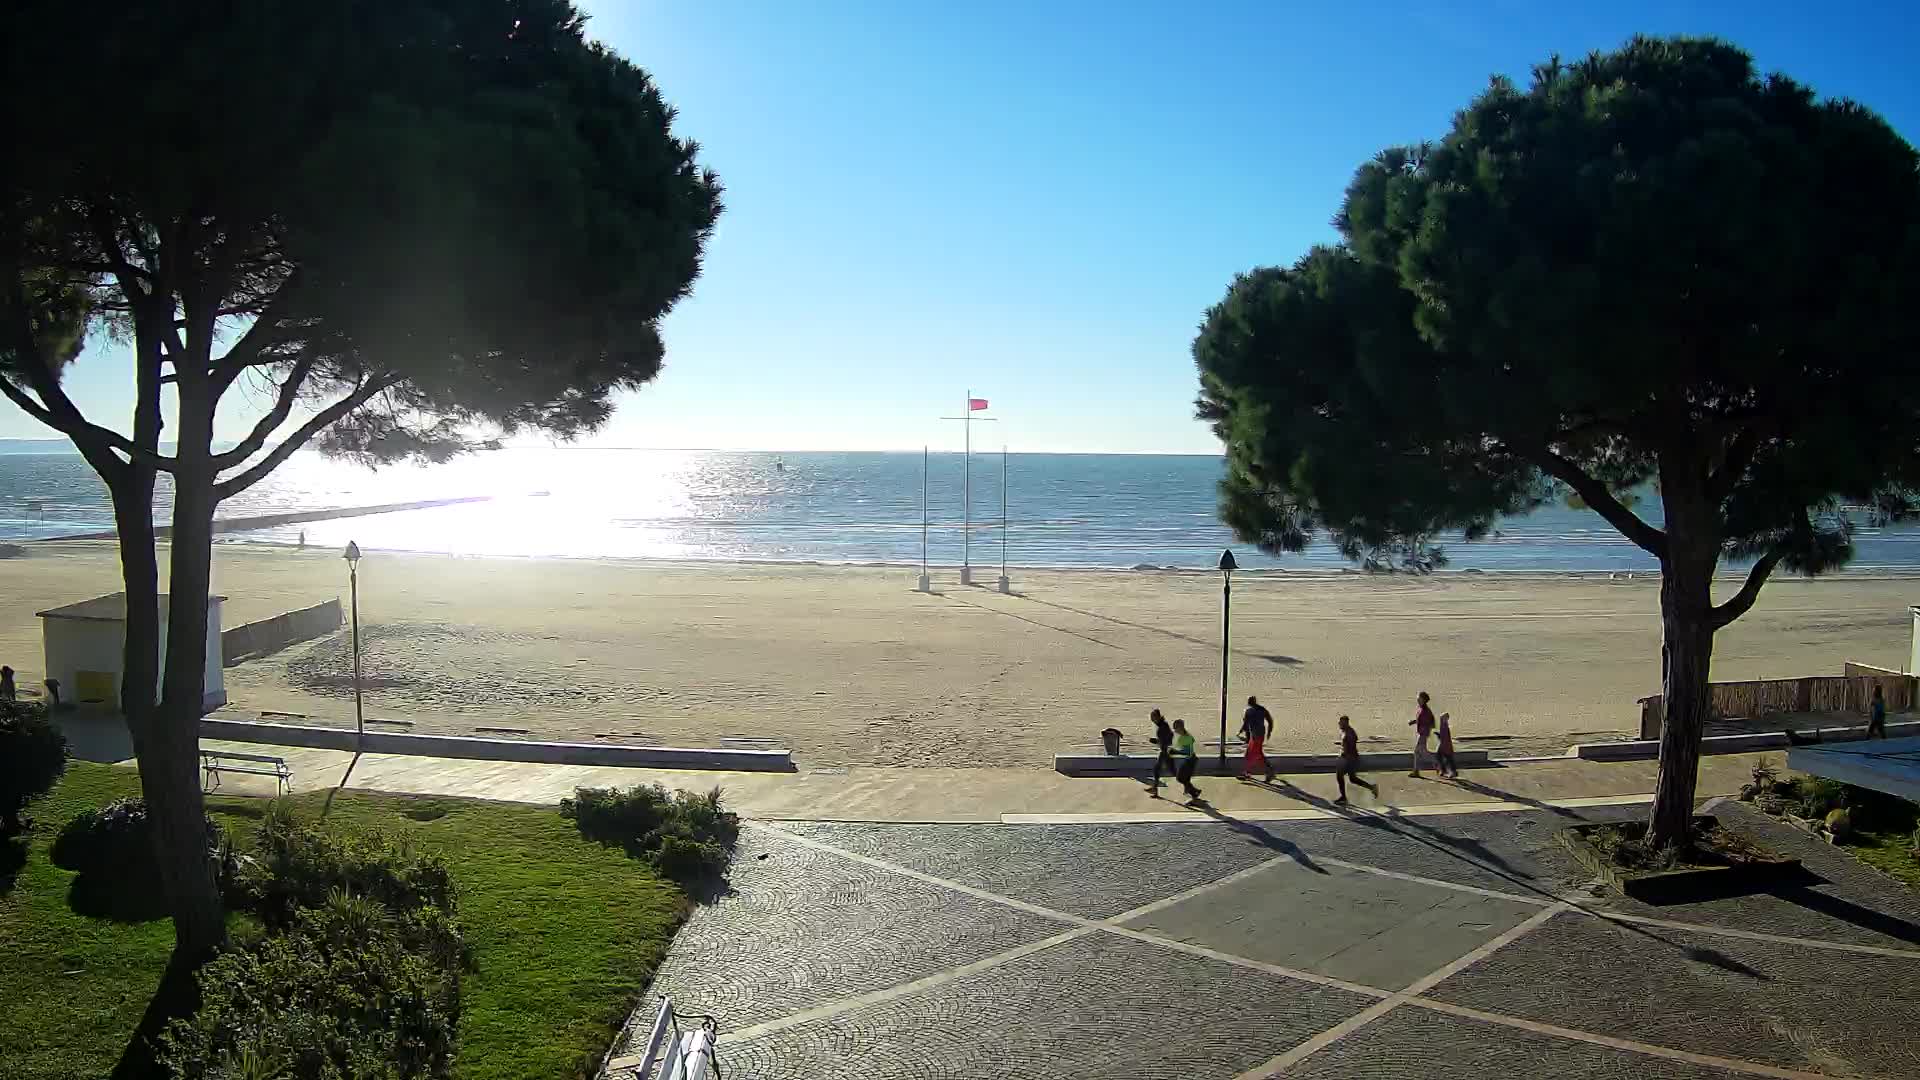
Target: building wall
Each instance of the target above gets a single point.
(74, 645)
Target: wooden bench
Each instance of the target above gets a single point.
(215, 762)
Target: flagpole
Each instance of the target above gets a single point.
(966, 499)
(1004, 586)
(926, 583)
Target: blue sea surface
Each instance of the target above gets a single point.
(1113, 511)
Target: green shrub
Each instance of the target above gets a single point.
(33, 754)
(302, 864)
(688, 837)
(1818, 796)
(350, 989)
(1840, 823)
(118, 839)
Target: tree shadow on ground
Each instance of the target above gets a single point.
(1834, 907)
(116, 895)
(13, 856)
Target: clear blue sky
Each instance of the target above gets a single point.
(1038, 201)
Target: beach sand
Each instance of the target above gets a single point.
(849, 666)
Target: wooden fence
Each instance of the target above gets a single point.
(255, 639)
(1849, 693)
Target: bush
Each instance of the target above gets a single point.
(351, 988)
(301, 865)
(1840, 823)
(1819, 796)
(686, 837)
(117, 839)
(33, 754)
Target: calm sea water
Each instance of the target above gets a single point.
(1107, 511)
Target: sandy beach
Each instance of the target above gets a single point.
(849, 666)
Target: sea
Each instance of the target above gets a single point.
(1086, 511)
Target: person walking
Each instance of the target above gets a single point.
(1444, 755)
(1163, 738)
(1422, 725)
(1349, 768)
(1188, 757)
(1877, 716)
(1255, 726)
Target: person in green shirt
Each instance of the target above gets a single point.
(1186, 758)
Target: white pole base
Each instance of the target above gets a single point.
(966, 575)
(1004, 586)
(925, 585)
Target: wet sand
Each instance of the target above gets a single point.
(851, 666)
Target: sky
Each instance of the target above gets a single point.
(1036, 203)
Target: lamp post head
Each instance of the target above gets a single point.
(1227, 565)
(353, 553)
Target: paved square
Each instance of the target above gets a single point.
(1365, 945)
(1339, 922)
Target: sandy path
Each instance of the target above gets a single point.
(849, 665)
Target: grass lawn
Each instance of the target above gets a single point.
(1888, 852)
(565, 933)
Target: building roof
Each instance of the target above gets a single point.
(1887, 765)
(109, 608)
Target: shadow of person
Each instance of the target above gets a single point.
(1260, 836)
(1508, 796)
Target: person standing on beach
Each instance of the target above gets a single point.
(1444, 757)
(1254, 728)
(1188, 757)
(8, 692)
(1877, 716)
(1349, 760)
(1162, 738)
(1422, 725)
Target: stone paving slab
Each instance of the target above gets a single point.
(1096, 1007)
(1341, 923)
(1785, 1005)
(1095, 871)
(1417, 1044)
(802, 927)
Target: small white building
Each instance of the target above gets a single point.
(85, 644)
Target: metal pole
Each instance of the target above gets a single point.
(926, 583)
(1004, 584)
(359, 717)
(966, 500)
(1226, 633)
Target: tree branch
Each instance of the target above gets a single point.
(1742, 601)
(1601, 501)
(228, 488)
(282, 408)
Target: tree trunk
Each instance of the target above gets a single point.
(1686, 619)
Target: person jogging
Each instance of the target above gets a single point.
(1349, 768)
(1162, 738)
(1422, 725)
(1187, 757)
(1254, 728)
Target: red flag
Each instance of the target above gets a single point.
(976, 404)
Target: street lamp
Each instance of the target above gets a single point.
(1227, 567)
(353, 577)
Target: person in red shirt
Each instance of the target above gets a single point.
(1422, 725)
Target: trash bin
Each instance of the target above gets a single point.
(1110, 738)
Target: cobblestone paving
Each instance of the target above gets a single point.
(1784, 1005)
(1095, 871)
(782, 961)
(1094, 1007)
(1416, 1044)
(802, 927)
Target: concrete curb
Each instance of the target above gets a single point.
(462, 746)
(1142, 764)
(1645, 749)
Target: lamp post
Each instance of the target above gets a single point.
(1227, 567)
(353, 579)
